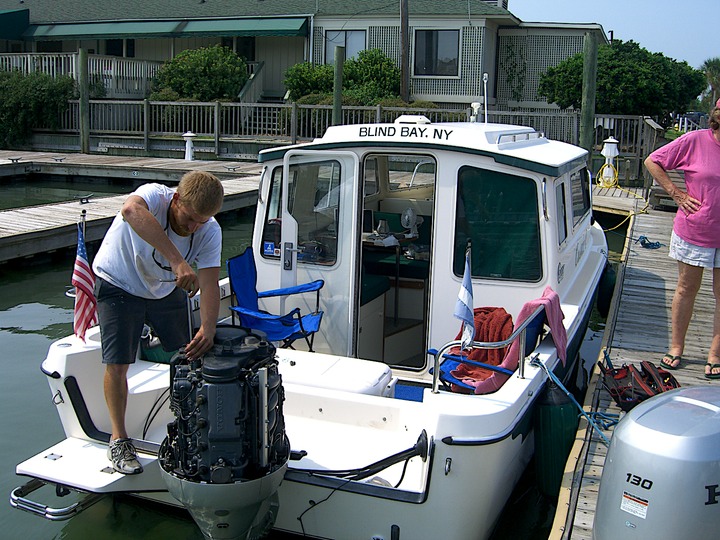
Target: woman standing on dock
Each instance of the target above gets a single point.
(695, 241)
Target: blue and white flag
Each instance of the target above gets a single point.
(464, 304)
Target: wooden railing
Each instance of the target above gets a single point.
(283, 123)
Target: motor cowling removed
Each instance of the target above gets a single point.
(226, 451)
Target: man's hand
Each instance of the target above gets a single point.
(186, 278)
(199, 345)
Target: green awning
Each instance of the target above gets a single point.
(296, 26)
(286, 26)
(13, 23)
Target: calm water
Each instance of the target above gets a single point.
(46, 189)
(33, 313)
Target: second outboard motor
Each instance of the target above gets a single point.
(226, 452)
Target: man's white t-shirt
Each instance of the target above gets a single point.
(129, 262)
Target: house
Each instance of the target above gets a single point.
(450, 44)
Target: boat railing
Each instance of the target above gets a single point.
(519, 333)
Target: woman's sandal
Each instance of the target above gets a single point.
(712, 375)
(668, 360)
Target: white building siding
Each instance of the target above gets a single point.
(524, 56)
(468, 86)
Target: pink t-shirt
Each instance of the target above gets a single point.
(698, 154)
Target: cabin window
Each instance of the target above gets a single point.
(561, 212)
(580, 187)
(314, 195)
(402, 172)
(498, 212)
(352, 40)
(370, 177)
(437, 53)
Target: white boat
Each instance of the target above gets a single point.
(381, 448)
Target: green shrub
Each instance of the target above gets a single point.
(31, 101)
(371, 76)
(204, 74)
(305, 79)
(366, 80)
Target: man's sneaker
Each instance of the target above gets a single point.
(123, 455)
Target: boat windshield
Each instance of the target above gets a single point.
(314, 203)
(498, 212)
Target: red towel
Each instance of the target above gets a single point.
(485, 381)
(491, 324)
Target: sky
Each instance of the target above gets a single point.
(679, 30)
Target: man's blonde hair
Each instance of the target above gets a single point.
(202, 191)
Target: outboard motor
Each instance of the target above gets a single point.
(662, 470)
(226, 452)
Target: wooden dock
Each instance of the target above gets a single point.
(637, 329)
(28, 231)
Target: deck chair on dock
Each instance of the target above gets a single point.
(279, 328)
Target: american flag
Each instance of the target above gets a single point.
(84, 281)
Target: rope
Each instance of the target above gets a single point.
(602, 182)
(592, 418)
(644, 242)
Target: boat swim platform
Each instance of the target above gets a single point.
(28, 231)
(637, 329)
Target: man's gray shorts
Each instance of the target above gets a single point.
(123, 315)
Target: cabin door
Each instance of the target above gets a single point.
(319, 224)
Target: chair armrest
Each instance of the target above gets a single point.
(265, 316)
(297, 289)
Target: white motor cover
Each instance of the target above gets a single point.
(662, 472)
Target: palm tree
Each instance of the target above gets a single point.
(711, 68)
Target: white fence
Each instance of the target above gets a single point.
(123, 78)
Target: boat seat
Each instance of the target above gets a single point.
(372, 287)
(450, 362)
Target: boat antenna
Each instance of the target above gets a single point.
(485, 97)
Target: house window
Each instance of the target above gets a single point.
(352, 40)
(114, 47)
(242, 46)
(49, 46)
(437, 53)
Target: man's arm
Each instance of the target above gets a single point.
(202, 341)
(136, 213)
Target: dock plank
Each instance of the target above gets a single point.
(637, 329)
(36, 229)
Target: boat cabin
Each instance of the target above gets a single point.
(384, 213)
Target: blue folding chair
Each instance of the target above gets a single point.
(279, 328)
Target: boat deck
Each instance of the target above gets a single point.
(637, 329)
(39, 229)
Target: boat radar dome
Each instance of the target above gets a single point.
(412, 119)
